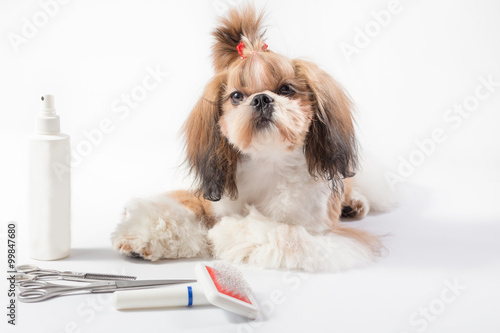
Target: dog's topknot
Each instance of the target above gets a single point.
(239, 25)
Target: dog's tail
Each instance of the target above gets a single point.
(239, 25)
(370, 242)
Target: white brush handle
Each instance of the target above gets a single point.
(180, 295)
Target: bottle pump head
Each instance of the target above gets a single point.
(47, 121)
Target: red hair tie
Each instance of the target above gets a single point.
(241, 46)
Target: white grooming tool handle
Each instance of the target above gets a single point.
(173, 296)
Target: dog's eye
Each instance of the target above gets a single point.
(236, 97)
(286, 90)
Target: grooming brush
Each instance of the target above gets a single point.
(221, 285)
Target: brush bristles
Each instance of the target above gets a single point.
(231, 280)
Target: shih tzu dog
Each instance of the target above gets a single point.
(271, 144)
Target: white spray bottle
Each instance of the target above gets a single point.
(49, 187)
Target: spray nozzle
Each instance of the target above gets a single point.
(47, 121)
(48, 105)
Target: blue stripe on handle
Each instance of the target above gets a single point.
(190, 296)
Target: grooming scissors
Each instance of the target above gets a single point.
(36, 291)
(32, 273)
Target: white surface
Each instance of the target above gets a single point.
(430, 57)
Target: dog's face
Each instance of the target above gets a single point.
(265, 105)
(260, 102)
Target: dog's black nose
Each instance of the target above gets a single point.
(262, 103)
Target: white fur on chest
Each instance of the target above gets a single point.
(280, 187)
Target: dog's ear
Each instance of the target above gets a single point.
(331, 148)
(239, 25)
(211, 157)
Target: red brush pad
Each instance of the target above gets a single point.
(222, 289)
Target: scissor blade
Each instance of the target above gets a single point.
(96, 276)
(148, 283)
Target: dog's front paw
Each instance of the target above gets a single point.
(257, 240)
(236, 241)
(131, 246)
(160, 227)
(356, 206)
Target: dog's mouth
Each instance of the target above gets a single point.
(263, 118)
(263, 123)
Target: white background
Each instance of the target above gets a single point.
(430, 56)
